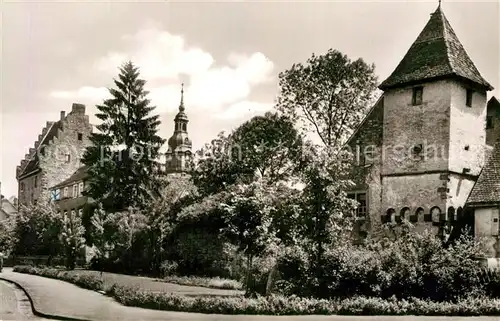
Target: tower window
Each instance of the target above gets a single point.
(489, 122)
(417, 95)
(22, 187)
(80, 136)
(468, 99)
(68, 158)
(36, 181)
(184, 126)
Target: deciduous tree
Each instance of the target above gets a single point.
(328, 94)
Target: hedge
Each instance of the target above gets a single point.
(276, 305)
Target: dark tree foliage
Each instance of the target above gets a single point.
(122, 160)
(328, 94)
(268, 146)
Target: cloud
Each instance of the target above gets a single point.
(91, 94)
(166, 58)
(244, 109)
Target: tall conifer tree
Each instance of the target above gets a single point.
(123, 159)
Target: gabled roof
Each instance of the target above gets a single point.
(34, 162)
(487, 187)
(436, 53)
(79, 175)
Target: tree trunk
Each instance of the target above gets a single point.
(270, 279)
(248, 288)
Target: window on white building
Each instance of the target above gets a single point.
(80, 189)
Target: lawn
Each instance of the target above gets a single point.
(156, 285)
(214, 283)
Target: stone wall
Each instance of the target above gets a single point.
(486, 228)
(406, 126)
(70, 141)
(467, 130)
(366, 144)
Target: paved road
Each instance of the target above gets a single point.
(60, 298)
(14, 304)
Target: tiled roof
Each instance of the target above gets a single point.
(79, 175)
(33, 163)
(487, 188)
(437, 52)
(378, 107)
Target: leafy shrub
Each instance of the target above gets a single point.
(90, 282)
(414, 265)
(28, 269)
(279, 305)
(168, 268)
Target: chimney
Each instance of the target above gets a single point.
(63, 114)
(78, 108)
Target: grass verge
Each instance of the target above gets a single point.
(274, 305)
(213, 283)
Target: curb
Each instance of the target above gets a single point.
(33, 309)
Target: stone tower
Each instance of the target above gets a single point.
(179, 145)
(433, 128)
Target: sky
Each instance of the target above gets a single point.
(228, 54)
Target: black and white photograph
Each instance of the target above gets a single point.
(260, 160)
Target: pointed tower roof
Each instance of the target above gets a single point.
(487, 188)
(436, 53)
(181, 115)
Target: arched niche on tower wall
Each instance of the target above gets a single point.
(450, 214)
(435, 214)
(389, 216)
(405, 214)
(418, 216)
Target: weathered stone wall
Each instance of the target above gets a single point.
(467, 130)
(406, 125)
(30, 192)
(486, 228)
(366, 173)
(413, 191)
(54, 164)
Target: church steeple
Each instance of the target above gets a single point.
(179, 145)
(181, 105)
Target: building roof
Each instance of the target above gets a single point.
(487, 187)
(493, 103)
(378, 106)
(436, 53)
(34, 162)
(79, 175)
(7, 207)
